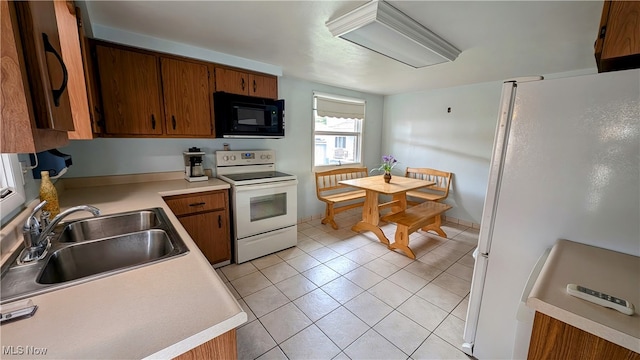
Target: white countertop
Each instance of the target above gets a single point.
(607, 271)
(157, 311)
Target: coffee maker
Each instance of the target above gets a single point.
(193, 169)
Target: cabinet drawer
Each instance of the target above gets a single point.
(195, 203)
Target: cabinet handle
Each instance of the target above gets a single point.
(57, 93)
(255, 87)
(219, 222)
(153, 122)
(242, 84)
(197, 204)
(173, 121)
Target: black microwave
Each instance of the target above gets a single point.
(239, 116)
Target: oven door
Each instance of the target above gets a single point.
(260, 208)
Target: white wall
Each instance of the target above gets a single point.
(420, 132)
(101, 157)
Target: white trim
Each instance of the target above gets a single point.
(11, 177)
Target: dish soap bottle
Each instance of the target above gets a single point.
(48, 192)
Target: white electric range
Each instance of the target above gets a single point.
(264, 202)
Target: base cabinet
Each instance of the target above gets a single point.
(205, 216)
(221, 347)
(554, 339)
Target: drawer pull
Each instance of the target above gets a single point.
(219, 221)
(198, 204)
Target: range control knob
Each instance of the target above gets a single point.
(263, 156)
(225, 158)
(233, 157)
(268, 156)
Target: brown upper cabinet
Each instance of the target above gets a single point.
(46, 69)
(244, 83)
(39, 76)
(130, 88)
(43, 83)
(618, 44)
(144, 94)
(82, 87)
(187, 100)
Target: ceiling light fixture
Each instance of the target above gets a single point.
(380, 27)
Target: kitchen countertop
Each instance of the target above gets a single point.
(607, 271)
(156, 311)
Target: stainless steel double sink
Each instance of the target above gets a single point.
(88, 249)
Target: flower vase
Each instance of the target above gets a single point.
(387, 177)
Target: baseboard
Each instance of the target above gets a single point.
(461, 222)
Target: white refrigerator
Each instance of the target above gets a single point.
(565, 165)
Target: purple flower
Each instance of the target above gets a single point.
(388, 163)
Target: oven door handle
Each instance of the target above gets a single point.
(264, 186)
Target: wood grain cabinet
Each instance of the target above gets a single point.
(245, 83)
(618, 44)
(130, 88)
(205, 216)
(146, 94)
(40, 73)
(187, 100)
(554, 339)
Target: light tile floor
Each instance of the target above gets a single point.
(343, 295)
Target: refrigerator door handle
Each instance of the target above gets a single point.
(477, 252)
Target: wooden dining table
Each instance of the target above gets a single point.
(374, 186)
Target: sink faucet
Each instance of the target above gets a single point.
(36, 242)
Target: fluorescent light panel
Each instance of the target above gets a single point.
(380, 27)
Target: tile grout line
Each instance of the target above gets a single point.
(342, 275)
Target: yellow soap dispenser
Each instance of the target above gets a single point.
(48, 192)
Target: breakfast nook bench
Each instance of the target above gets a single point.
(331, 192)
(437, 192)
(426, 216)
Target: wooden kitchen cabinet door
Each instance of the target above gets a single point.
(618, 44)
(263, 86)
(210, 231)
(231, 81)
(130, 85)
(47, 73)
(187, 104)
(86, 110)
(241, 83)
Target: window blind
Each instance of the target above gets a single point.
(339, 108)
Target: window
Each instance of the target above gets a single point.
(12, 197)
(337, 130)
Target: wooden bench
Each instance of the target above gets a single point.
(437, 192)
(331, 192)
(426, 216)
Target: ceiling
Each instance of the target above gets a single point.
(498, 40)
